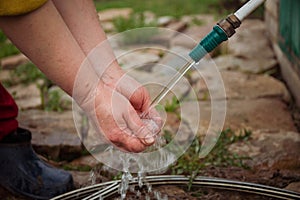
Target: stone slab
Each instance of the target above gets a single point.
(178, 26)
(204, 18)
(85, 161)
(164, 20)
(273, 150)
(13, 61)
(174, 59)
(239, 86)
(255, 66)
(26, 96)
(81, 179)
(107, 26)
(191, 36)
(137, 59)
(251, 41)
(53, 134)
(4, 75)
(150, 17)
(269, 114)
(295, 186)
(110, 14)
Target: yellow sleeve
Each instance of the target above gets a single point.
(19, 7)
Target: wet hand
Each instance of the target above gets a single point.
(120, 102)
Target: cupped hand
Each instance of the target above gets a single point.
(123, 113)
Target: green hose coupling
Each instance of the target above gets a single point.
(221, 32)
(209, 43)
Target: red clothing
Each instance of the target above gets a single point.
(8, 113)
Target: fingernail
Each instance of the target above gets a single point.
(149, 140)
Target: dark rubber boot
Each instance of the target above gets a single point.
(23, 173)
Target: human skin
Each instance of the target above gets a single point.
(57, 38)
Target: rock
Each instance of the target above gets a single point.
(149, 17)
(174, 59)
(294, 187)
(251, 41)
(164, 20)
(240, 86)
(270, 114)
(81, 179)
(165, 35)
(204, 18)
(107, 26)
(194, 33)
(183, 40)
(255, 66)
(198, 32)
(110, 14)
(28, 103)
(191, 37)
(272, 150)
(247, 86)
(13, 61)
(26, 96)
(85, 161)
(259, 114)
(137, 59)
(53, 133)
(4, 75)
(178, 26)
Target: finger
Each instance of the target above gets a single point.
(129, 143)
(123, 139)
(133, 144)
(138, 128)
(140, 99)
(112, 125)
(134, 91)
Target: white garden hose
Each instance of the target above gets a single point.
(247, 9)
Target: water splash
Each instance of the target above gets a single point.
(92, 177)
(124, 185)
(144, 187)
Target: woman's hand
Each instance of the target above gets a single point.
(123, 113)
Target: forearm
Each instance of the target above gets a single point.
(82, 20)
(47, 42)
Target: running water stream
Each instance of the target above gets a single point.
(144, 187)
